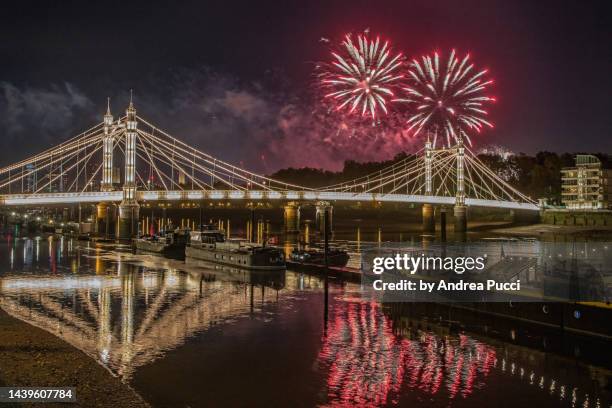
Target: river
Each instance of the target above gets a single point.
(188, 334)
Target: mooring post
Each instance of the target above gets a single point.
(201, 219)
(326, 235)
(443, 224)
(253, 231)
(326, 250)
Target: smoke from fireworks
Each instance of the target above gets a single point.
(362, 76)
(446, 98)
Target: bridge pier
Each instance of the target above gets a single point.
(292, 217)
(128, 220)
(321, 206)
(106, 215)
(460, 212)
(429, 220)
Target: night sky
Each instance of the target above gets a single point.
(235, 78)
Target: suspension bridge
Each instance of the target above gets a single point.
(160, 167)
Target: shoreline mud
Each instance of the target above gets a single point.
(537, 230)
(32, 357)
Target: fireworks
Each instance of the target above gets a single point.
(446, 98)
(362, 76)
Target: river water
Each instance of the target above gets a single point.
(189, 334)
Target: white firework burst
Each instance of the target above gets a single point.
(448, 99)
(362, 75)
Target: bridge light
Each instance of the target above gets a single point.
(236, 194)
(195, 195)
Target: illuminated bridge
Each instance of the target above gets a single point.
(159, 167)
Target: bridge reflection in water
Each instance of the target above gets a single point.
(132, 317)
(128, 311)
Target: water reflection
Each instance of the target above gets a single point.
(131, 317)
(134, 312)
(370, 365)
(373, 358)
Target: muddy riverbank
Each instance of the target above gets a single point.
(538, 230)
(32, 357)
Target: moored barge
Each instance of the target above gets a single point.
(211, 245)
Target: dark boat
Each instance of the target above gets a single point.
(170, 243)
(211, 245)
(335, 257)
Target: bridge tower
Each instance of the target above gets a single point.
(129, 208)
(105, 212)
(107, 151)
(429, 221)
(460, 210)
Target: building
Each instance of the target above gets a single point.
(587, 185)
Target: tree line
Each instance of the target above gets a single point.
(538, 176)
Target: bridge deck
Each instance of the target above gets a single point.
(263, 195)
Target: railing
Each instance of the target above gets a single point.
(257, 195)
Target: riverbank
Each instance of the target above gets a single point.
(537, 230)
(31, 357)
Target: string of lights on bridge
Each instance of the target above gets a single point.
(159, 166)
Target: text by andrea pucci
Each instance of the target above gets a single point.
(428, 269)
(486, 270)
